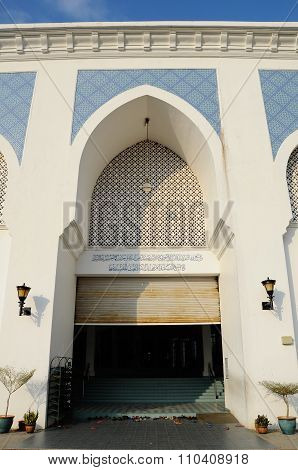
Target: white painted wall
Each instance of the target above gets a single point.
(64, 304)
(4, 257)
(232, 335)
(291, 250)
(55, 174)
(258, 229)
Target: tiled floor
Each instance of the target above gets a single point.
(151, 434)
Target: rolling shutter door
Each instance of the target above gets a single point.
(147, 300)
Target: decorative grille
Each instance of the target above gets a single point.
(292, 179)
(171, 214)
(3, 185)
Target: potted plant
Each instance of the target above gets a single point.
(261, 424)
(12, 381)
(30, 419)
(286, 423)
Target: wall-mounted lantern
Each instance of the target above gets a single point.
(269, 286)
(23, 292)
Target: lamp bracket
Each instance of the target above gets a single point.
(267, 305)
(27, 311)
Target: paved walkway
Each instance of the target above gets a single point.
(151, 434)
(281, 441)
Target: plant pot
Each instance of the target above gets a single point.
(287, 424)
(30, 428)
(5, 423)
(21, 425)
(262, 429)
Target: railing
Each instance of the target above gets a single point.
(213, 378)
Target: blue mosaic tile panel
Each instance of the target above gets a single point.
(16, 90)
(196, 86)
(280, 94)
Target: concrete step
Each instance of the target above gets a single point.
(156, 390)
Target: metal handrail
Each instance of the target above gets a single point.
(212, 377)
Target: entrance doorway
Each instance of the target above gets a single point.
(164, 364)
(147, 351)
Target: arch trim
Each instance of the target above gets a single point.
(280, 165)
(210, 136)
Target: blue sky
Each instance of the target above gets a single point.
(26, 11)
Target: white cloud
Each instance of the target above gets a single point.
(81, 9)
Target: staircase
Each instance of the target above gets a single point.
(154, 390)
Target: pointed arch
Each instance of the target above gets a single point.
(9, 167)
(292, 181)
(286, 150)
(176, 124)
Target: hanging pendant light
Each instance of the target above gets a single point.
(147, 187)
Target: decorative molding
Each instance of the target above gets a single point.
(293, 225)
(184, 39)
(198, 41)
(224, 41)
(173, 41)
(19, 44)
(95, 41)
(121, 41)
(249, 41)
(69, 42)
(44, 43)
(147, 42)
(274, 42)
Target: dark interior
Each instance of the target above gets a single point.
(147, 351)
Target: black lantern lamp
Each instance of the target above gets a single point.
(269, 286)
(23, 292)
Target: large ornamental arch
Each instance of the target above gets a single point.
(125, 213)
(292, 180)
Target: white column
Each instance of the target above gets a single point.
(207, 348)
(90, 349)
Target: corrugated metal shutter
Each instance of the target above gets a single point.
(147, 300)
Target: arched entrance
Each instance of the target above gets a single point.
(142, 336)
(180, 129)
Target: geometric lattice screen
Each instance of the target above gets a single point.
(171, 214)
(292, 179)
(3, 185)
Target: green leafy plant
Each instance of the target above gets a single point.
(13, 380)
(281, 390)
(31, 417)
(262, 421)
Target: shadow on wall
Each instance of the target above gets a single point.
(294, 402)
(278, 303)
(289, 239)
(38, 392)
(41, 303)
